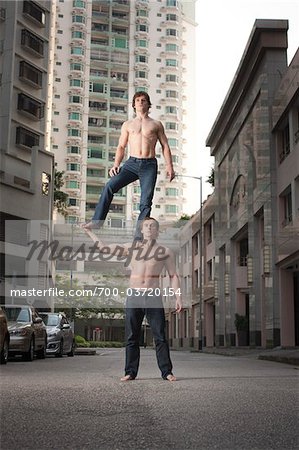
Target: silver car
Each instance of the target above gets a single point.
(61, 339)
(28, 335)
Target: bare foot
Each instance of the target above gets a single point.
(127, 378)
(89, 225)
(171, 377)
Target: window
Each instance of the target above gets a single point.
(142, 43)
(116, 208)
(172, 48)
(72, 184)
(58, 63)
(172, 3)
(78, 35)
(98, 87)
(172, 94)
(243, 252)
(76, 66)
(75, 116)
(141, 59)
(73, 202)
(73, 167)
(94, 190)
(78, 4)
(287, 207)
(285, 143)
(141, 74)
(58, 80)
(173, 142)
(97, 122)
(30, 106)
(98, 173)
(96, 139)
(172, 192)
(34, 11)
(170, 78)
(142, 28)
(75, 99)
(78, 19)
(171, 110)
(119, 43)
(59, 31)
(76, 82)
(31, 74)
(175, 159)
(74, 149)
(26, 138)
(32, 42)
(74, 132)
(172, 209)
(55, 130)
(171, 126)
(96, 153)
(56, 96)
(142, 13)
(172, 17)
(171, 63)
(171, 32)
(77, 51)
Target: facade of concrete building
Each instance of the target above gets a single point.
(256, 192)
(249, 240)
(103, 53)
(26, 168)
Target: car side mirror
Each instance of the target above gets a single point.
(66, 326)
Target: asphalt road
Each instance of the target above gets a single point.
(218, 402)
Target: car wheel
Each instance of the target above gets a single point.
(41, 354)
(4, 352)
(60, 352)
(28, 356)
(72, 352)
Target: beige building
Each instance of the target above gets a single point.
(102, 53)
(249, 262)
(26, 168)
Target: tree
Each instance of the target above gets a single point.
(211, 178)
(60, 197)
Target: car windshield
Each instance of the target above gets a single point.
(17, 314)
(51, 320)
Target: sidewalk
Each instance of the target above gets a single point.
(287, 356)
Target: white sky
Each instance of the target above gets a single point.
(224, 27)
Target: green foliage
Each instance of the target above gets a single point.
(182, 220)
(82, 343)
(60, 197)
(211, 178)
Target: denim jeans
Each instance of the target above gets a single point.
(152, 308)
(144, 169)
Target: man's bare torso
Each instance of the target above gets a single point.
(143, 135)
(147, 265)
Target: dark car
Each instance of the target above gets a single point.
(4, 338)
(28, 335)
(60, 334)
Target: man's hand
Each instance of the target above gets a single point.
(114, 171)
(170, 172)
(178, 305)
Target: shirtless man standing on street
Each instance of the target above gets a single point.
(147, 261)
(142, 134)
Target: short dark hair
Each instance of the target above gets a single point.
(150, 218)
(141, 94)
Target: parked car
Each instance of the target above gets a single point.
(61, 340)
(28, 334)
(4, 337)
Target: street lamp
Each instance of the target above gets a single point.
(200, 338)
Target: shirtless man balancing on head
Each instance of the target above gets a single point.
(142, 134)
(148, 259)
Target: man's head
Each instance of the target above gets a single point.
(150, 228)
(143, 98)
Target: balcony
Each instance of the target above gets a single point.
(26, 138)
(32, 43)
(30, 107)
(31, 74)
(34, 12)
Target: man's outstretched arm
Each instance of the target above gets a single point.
(174, 280)
(117, 249)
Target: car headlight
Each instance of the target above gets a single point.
(19, 332)
(52, 333)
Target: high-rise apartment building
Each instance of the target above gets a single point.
(26, 173)
(103, 52)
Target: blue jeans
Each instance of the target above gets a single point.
(152, 308)
(144, 169)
